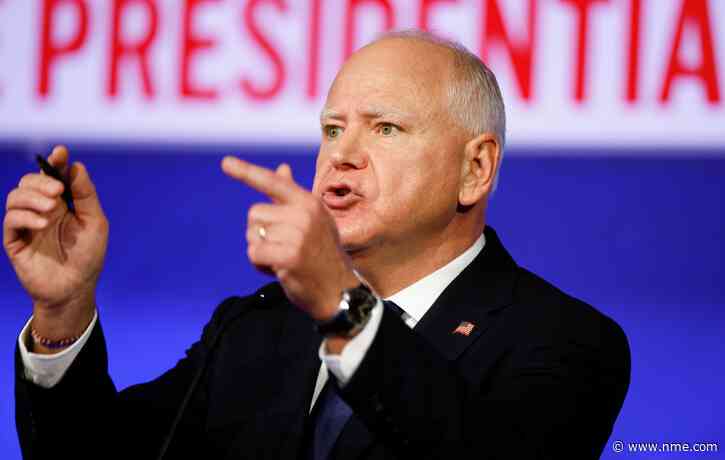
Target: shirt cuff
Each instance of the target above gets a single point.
(47, 370)
(344, 365)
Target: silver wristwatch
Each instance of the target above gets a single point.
(354, 312)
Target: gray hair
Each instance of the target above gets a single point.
(474, 96)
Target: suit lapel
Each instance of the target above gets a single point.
(484, 287)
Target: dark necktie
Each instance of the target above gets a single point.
(333, 412)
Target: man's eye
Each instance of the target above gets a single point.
(387, 129)
(333, 131)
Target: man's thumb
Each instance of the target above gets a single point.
(84, 194)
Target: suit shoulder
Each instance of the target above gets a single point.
(564, 315)
(268, 297)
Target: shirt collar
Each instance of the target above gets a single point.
(417, 298)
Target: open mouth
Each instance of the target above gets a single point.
(339, 196)
(341, 191)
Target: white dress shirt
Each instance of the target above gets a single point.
(415, 300)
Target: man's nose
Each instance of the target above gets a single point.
(349, 153)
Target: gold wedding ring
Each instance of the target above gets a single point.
(262, 232)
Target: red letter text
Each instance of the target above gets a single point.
(191, 45)
(582, 44)
(138, 49)
(521, 54)
(695, 13)
(50, 50)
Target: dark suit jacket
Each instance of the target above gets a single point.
(542, 375)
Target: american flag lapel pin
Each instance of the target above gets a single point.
(465, 328)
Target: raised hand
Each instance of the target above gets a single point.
(295, 238)
(57, 255)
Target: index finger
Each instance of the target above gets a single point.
(261, 179)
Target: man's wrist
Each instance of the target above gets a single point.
(58, 325)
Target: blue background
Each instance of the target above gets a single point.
(638, 234)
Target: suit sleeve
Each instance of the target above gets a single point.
(547, 399)
(84, 416)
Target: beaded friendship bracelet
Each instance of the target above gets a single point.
(53, 344)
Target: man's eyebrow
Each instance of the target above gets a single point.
(329, 113)
(367, 112)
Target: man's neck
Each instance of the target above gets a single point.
(389, 271)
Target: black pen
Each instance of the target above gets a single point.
(51, 171)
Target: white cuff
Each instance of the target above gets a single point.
(47, 370)
(344, 365)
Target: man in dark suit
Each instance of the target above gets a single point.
(399, 327)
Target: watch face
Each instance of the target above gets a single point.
(361, 302)
(354, 312)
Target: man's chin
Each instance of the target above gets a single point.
(353, 242)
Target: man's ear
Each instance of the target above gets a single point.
(481, 157)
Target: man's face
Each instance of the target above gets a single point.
(389, 164)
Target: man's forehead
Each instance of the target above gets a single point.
(406, 62)
(405, 51)
(388, 78)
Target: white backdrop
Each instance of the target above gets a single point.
(573, 72)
